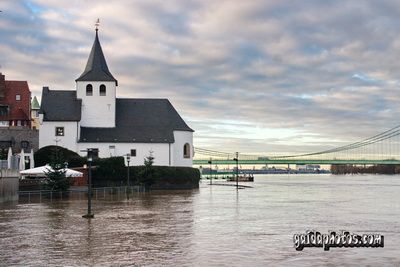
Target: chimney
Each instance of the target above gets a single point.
(2, 85)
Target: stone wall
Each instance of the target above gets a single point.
(17, 138)
(9, 182)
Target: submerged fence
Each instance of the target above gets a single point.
(13, 164)
(103, 193)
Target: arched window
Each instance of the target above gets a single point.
(89, 89)
(102, 89)
(186, 151)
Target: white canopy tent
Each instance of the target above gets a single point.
(32, 158)
(22, 160)
(9, 158)
(41, 171)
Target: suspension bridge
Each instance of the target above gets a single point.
(383, 148)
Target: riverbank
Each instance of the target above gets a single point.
(375, 169)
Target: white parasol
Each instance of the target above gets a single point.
(9, 158)
(22, 160)
(42, 170)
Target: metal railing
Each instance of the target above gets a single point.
(3, 164)
(14, 164)
(102, 193)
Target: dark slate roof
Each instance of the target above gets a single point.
(139, 121)
(96, 67)
(60, 105)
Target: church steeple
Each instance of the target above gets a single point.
(96, 67)
(97, 87)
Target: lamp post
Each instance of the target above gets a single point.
(210, 162)
(89, 209)
(237, 169)
(128, 159)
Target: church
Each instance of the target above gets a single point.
(93, 117)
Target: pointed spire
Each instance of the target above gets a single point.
(35, 103)
(96, 67)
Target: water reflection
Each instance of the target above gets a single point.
(214, 226)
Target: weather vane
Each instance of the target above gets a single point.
(97, 24)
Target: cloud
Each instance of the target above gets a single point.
(253, 76)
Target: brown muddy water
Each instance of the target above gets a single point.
(211, 226)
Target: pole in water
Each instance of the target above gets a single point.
(210, 162)
(237, 169)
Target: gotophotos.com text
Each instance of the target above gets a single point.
(336, 240)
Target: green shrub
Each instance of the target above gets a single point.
(76, 162)
(44, 156)
(113, 172)
(109, 168)
(56, 179)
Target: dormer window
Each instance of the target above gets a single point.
(89, 90)
(102, 90)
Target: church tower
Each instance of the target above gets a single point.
(97, 89)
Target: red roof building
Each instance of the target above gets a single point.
(15, 102)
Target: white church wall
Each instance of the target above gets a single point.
(181, 138)
(160, 151)
(47, 134)
(97, 110)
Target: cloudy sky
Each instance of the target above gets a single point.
(253, 76)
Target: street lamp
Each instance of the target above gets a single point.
(128, 159)
(90, 155)
(237, 169)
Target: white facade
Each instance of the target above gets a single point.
(97, 110)
(160, 152)
(49, 137)
(165, 154)
(177, 152)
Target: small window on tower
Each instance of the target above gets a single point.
(186, 151)
(102, 90)
(89, 89)
(59, 131)
(18, 97)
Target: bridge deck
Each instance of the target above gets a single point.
(296, 161)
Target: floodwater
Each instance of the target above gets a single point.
(212, 226)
